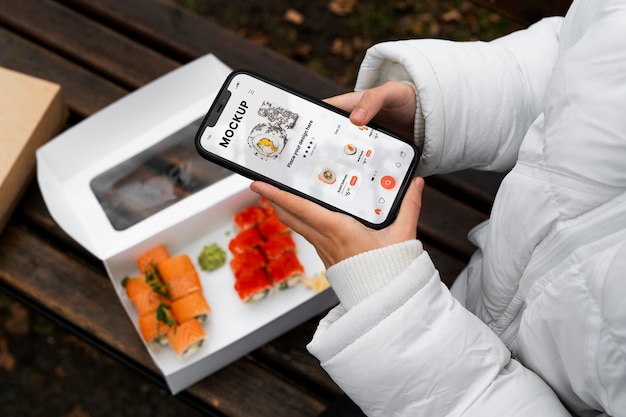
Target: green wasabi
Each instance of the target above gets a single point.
(211, 257)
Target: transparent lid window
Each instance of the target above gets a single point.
(154, 179)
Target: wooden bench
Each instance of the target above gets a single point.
(100, 50)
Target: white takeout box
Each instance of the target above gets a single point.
(66, 166)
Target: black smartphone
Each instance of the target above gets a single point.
(266, 131)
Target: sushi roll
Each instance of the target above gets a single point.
(142, 295)
(285, 271)
(175, 267)
(191, 306)
(149, 258)
(252, 286)
(184, 285)
(179, 276)
(277, 245)
(245, 241)
(272, 226)
(154, 329)
(247, 261)
(249, 217)
(186, 338)
(266, 206)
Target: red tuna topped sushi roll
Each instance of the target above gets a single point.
(247, 261)
(272, 226)
(286, 270)
(266, 206)
(253, 285)
(249, 217)
(277, 245)
(245, 241)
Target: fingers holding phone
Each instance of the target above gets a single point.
(337, 236)
(392, 105)
(268, 132)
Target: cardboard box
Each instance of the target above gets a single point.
(96, 173)
(31, 112)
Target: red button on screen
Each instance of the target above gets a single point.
(388, 182)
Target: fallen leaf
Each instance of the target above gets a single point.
(453, 15)
(302, 49)
(258, 38)
(435, 29)
(60, 372)
(18, 323)
(341, 7)
(294, 17)
(342, 48)
(7, 360)
(77, 411)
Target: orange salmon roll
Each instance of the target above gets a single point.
(135, 286)
(186, 338)
(140, 293)
(175, 267)
(153, 330)
(151, 257)
(191, 306)
(184, 285)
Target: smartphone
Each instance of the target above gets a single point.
(266, 131)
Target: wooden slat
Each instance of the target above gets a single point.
(475, 188)
(288, 354)
(445, 222)
(68, 288)
(171, 28)
(84, 92)
(448, 266)
(84, 41)
(526, 11)
(280, 378)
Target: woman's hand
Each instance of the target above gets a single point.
(337, 236)
(392, 104)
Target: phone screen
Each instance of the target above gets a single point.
(263, 131)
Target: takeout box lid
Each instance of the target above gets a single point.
(66, 165)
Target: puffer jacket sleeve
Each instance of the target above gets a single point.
(408, 348)
(475, 99)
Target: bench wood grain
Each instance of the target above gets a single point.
(99, 51)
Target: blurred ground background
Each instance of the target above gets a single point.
(46, 371)
(331, 36)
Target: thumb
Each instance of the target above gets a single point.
(408, 215)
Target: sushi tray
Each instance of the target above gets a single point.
(203, 267)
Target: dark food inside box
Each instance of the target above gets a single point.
(154, 179)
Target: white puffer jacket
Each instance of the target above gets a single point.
(537, 323)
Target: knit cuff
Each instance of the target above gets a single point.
(356, 278)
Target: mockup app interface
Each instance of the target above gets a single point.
(309, 148)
